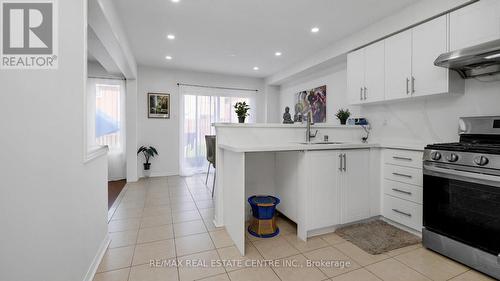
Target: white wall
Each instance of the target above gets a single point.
(164, 133)
(335, 80)
(53, 207)
(95, 69)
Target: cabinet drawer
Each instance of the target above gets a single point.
(407, 158)
(403, 174)
(404, 212)
(404, 191)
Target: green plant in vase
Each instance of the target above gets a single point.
(241, 109)
(148, 152)
(343, 115)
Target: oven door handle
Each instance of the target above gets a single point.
(479, 178)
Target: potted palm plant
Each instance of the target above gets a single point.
(148, 152)
(241, 109)
(343, 115)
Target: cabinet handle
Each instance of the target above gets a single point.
(340, 162)
(407, 86)
(365, 93)
(402, 191)
(361, 93)
(345, 163)
(402, 175)
(401, 158)
(402, 213)
(412, 85)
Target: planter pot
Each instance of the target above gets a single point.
(342, 122)
(241, 119)
(147, 169)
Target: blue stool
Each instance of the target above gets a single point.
(263, 224)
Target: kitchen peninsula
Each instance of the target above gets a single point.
(321, 185)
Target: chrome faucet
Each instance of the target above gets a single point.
(308, 128)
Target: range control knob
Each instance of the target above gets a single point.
(435, 155)
(481, 160)
(452, 157)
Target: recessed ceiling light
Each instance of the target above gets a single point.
(175, 1)
(278, 54)
(315, 29)
(168, 57)
(171, 36)
(255, 68)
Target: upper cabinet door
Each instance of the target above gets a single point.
(356, 76)
(475, 24)
(374, 72)
(429, 41)
(398, 53)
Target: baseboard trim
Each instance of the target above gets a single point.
(217, 224)
(117, 202)
(97, 259)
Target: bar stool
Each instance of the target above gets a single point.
(210, 144)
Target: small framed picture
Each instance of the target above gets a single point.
(158, 105)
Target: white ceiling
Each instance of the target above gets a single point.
(233, 36)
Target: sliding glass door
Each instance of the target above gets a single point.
(199, 110)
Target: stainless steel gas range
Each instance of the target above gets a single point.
(462, 195)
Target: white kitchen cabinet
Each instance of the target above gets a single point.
(404, 212)
(475, 24)
(374, 72)
(429, 41)
(365, 72)
(398, 53)
(402, 187)
(323, 179)
(356, 76)
(406, 68)
(355, 186)
(338, 187)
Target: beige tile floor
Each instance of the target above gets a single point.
(170, 220)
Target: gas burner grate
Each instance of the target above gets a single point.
(491, 148)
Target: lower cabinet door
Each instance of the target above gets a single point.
(355, 186)
(323, 189)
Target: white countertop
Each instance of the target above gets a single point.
(291, 146)
(279, 125)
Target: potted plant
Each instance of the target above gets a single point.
(148, 152)
(241, 109)
(343, 115)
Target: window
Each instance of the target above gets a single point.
(107, 115)
(199, 109)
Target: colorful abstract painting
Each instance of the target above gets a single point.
(313, 100)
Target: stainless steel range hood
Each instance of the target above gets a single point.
(479, 60)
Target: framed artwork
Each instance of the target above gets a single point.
(313, 100)
(158, 105)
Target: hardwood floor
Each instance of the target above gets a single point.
(114, 188)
